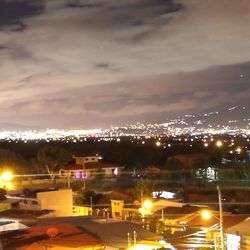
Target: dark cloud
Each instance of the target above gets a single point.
(142, 99)
(2, 47)
(79, 4)
(109, 62)
(12, 11)
(102, 65)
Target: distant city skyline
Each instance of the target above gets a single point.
(108, 62)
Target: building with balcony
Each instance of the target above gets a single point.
(89, 166)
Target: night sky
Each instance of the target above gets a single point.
(112, 62)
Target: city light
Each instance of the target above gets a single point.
(238, 150)
(219, 143)
(146, 208)
(6, 176)
(147, 204)
(206, 215)
(5, 180)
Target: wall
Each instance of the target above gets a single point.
(61, 201)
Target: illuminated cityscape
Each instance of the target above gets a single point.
(124, 125)
(191, 125)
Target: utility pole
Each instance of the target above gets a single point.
(129, 243)
(135, 236)
(91, 205)
(69, 176)
(221, 219)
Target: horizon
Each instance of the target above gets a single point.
(92, 64)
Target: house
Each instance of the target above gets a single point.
(88, 166)
(117, 234)
(10, 224)
(59, 201)
(188, 160)
(238, 236)
(53, 237)
(25, 217)
(134, 211)
(205, 231)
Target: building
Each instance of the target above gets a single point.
(135, 211)
(117, 208)
(53, 237)
(238, 236)
(59, 201)
(10, 224)
(117, 234)
(203, 224)
(89, 166)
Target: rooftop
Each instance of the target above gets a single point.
(61, 235)
(113, 232)
(93, 165)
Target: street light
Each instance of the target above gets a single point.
(7, 176)
(206, 215)
(219, 143)
(238, 150)
(5, 179)
(145, 208)
(147, 204)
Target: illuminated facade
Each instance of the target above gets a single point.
(89, 166)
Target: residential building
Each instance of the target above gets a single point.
(88, 166)
(117, 234)
(117, 208)
(10, 224)
(238, 236)
(53, 237)
(60, 201)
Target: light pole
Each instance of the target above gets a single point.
(221, 218)
(5, 179)
(207, 215)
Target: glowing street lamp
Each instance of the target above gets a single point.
(238, 150)
(206, 215)
(5, 179)
(7, 176)
(145, 208)
(147, 204)
(219, 143)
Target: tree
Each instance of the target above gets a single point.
(99, 174)
(142, 189)
(173, 169)
(13, 161)
(244, 170)
(2, 194)
(83, 197)
(53, 158)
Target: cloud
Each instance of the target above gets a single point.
(123, 58)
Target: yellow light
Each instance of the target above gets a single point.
(238, 150)
(6, 176)
(158, 143)
(147, 204)
(219, 143)
(205, 214)
(206, 144)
